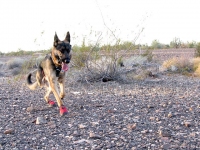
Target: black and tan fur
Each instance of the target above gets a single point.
(50, 72)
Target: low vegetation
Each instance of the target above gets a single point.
(106, 62)
(183, 65)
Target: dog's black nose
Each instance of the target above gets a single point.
(67, 60)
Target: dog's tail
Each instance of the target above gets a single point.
(30, 84)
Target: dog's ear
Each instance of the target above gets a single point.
(67, 38)
(56, 39)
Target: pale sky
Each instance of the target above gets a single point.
(31, 24)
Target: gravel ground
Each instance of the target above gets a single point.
(161, 113)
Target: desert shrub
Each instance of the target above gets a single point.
(120, 62)
(106, 65)
(135, 60)
(79, 59)
(102, 69)
(195, 62)
(22, 66)
(15, 63)
(197, 52)
(25, 53)
(31, 63)
(182, 65)
(196, 66)
(148, 54)
(168, 63)
(80, 55)
(19, 53)
(197, 71)
(16, 71)
(1, 53)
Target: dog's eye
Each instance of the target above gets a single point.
(58, 47)
(62, 50)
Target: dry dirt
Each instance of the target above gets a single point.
(155, 113)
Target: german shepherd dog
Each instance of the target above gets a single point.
(51, 71)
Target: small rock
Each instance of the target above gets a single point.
(52, 124)
(169, 115)
(76, 93)
(133, 148)
(166, 146)
(30, 109)
(190, 109)
(157, 119)
(9, 131)
(144, 131)
(150, 106)
(81, 141)
(152, 118)
(94, 123)
(132, 126)
(192, 134)
(164, 139)
(40, 120)
(164, 133)
(34, 138)
(187, 124)
(81, 126)
(173, 68)
(94, 136)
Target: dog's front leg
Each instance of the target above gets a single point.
(54, 88)
(62, 87)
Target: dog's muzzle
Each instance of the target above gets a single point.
(66, 60)
(65, 63)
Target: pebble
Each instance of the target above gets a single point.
(169, 115)
(94, 136)
(52, 124)
(152, 118)
(150, 106)
(134, 148)
(132, 126)
(41, 120)
(144, 131)
(166, 146)
(94, 123)
(9, 131)
(187, 124)
(82, 126)
(164, 139)
(164, 133)
(30, 109)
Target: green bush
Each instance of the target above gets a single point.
(197, 52)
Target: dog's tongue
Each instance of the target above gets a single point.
(64, 67)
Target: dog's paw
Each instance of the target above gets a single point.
(51, 103)
(62, 95)
(63, 110)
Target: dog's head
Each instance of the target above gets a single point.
(61, 52)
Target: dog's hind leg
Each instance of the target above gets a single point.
(46, 97)
(40, 76)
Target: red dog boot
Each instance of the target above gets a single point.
(63, 110)
(51, 103)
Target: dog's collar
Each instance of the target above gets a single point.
(58, 70)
